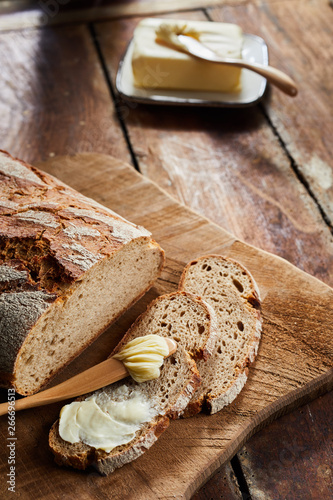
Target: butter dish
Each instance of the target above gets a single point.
(253, 85)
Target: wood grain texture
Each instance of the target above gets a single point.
(288, 468)
(227, 165)
(54, 98)
(55, 12)
(294, 362)
(299, 36)
(223, 485)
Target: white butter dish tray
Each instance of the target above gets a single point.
(253, 85)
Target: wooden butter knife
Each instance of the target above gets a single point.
(109, 371)
(275, 76)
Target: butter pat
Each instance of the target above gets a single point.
(103, 423)
(157, 66)
(144, 356)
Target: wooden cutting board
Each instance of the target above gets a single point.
(294, 364)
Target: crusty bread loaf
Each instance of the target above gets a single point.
(68, 268)
(177, 315)
(233, 294)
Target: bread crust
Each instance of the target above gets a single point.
(50, 237)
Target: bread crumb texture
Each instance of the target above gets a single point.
(231, 291)
(182, 317)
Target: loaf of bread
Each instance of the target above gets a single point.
(231, 291)
(68, 268)
(181, 316)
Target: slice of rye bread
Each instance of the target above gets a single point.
(192, 323)
(231, 290)
(171, 391)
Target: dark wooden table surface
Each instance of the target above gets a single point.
(264, 173)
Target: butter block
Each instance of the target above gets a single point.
(157, 66)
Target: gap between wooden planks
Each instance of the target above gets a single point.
(299, 37)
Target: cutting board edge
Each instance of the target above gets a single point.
(297, 398)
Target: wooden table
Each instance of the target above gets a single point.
(265, 174)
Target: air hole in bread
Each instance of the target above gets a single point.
(201, 329)
(238, 285)
(29, 359)
(240, 326)
(182, 313)
(163, 325)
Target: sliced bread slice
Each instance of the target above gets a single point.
(169, 395)
(188, 317)
(231, 291)
(181, 316)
